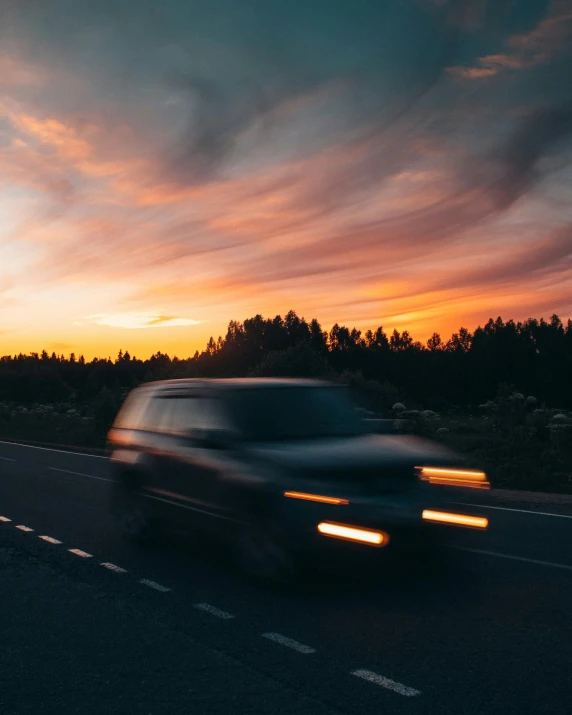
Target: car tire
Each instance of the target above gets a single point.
(262, 554)
(134, 521)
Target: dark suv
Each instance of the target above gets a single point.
(283, 468)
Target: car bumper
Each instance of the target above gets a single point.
(392, 526)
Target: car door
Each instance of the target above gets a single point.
(156, 447)
(211, 457)
(190, 475)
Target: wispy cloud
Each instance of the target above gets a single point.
(549, 39)
(135, 321)
(15, 72)
(61, 346)
(219, 176)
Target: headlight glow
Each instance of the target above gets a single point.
(454, 477)
(352, 533)
(476, 522)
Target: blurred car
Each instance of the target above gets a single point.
(284, 469)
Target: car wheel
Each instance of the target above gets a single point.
(263, 556)
(135, 524)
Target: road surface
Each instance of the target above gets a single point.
(92, 624)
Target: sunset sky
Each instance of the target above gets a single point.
(168, 166)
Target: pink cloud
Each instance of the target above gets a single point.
(503, 61)
(353, 232)
(17, 73)
(472, 72)
(547, 40)
(551, 35)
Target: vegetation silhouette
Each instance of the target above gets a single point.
(467, 369)
(502, 394)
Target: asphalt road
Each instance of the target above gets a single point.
(92, 624)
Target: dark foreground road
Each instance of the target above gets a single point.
(90, 624)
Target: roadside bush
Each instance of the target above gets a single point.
(104, 409)
(520, 443)
(376, 396)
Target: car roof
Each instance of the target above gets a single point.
(183, 384)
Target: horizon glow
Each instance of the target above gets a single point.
(168, 169)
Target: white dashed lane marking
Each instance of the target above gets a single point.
(372, 677)
(155, 585)
(289, 643)
(7, 459)
(207, 608)
(79, 474)
(367, 675)
(79, 552)
(113, 567)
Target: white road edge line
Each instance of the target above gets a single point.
(4, 518)
(79, 474)
(51, 449)
(372, 677)
(155, 585)
(24, 528)
(207, 608)
(289, 643)
(554, 565)
(113, 567)
(7, 459)
(79, 552)
(49, 539)
(520, 511)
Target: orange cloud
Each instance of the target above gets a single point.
(64, 139)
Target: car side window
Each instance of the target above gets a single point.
(211, 415)
(186, 413)
(181, 414)
(132, 410)
(155, 415)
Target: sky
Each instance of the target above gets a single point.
(167, 167)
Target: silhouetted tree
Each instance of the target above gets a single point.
(435, 342)
(535, 355)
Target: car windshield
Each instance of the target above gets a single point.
(293, 412)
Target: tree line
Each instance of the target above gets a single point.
(467, 369)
